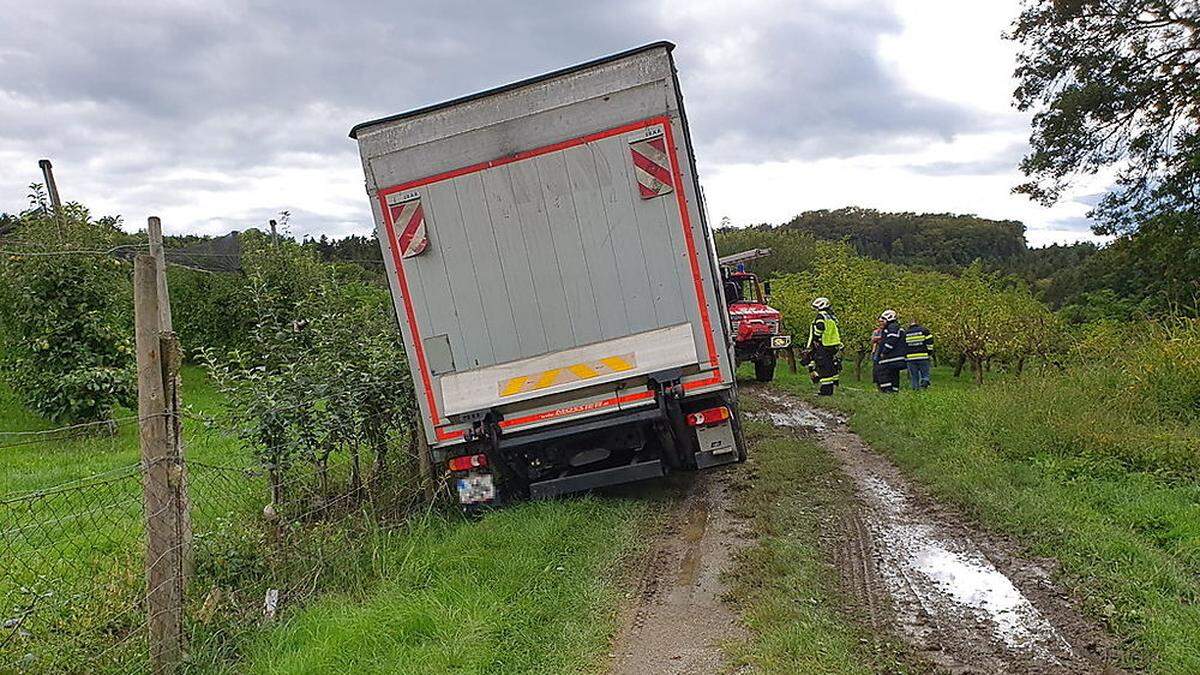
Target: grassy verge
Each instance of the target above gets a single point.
(1046, 459)
(529, 589)
(72, 530)
(784, 583)
(35, 463)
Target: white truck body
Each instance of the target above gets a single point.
(546, 249)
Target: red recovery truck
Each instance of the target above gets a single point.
(755, 324)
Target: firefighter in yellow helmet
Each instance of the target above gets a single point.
(823, 353)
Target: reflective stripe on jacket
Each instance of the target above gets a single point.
(918, 343)
(891, 347)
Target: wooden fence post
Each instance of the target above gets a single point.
(160, 479)
(171, 385)
(154, 230)
(52, 193)
(51, 185)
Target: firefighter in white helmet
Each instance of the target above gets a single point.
(823, 353)
(890, 359)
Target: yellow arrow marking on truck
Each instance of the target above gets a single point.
(571, 373)
(514, 385)
(617, 363)
(547, 378)
(583, 371)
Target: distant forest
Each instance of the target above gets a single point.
(1153, 271)
(938, 240)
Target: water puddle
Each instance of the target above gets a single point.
(944, 589)
(795, 419)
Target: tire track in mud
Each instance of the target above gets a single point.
(962, 599)
(678, 622)
(856, 559)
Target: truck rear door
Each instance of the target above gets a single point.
(548, 281)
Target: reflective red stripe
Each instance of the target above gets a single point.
(412, 238)
(646, 164)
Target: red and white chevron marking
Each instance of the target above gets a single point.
(409, 219)
(651, 166)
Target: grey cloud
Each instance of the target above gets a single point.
(816, 88)
(1092, 200)
(1002, 162)
(123, 92)
(1073, 224)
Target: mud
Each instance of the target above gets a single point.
(963, 599)
(677, 622)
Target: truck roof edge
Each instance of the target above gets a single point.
(512, 85)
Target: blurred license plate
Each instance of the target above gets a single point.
(475, 488)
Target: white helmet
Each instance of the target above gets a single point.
(820, 303)
(888, 315)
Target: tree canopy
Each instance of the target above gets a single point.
(1113, 83)
(940, 240)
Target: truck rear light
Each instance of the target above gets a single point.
(467, 462)
(706, 417)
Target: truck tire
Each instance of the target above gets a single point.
(764, 368)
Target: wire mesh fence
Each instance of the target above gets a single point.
(73, 582)
(71, 579)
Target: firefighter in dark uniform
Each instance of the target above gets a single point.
(918, 353)
(891, 354)
(824, 349)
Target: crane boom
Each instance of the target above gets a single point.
(733, 259)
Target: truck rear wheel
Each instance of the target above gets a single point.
(764, 368)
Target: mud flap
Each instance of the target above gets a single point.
(706, 460)
(716, 445)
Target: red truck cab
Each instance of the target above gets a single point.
(755, 324)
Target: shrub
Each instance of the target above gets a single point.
(65, 318)
(978, 315)
(209, 309)
(322, 369)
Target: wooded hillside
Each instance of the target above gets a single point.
(928, 239)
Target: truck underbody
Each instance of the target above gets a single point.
(673, 434)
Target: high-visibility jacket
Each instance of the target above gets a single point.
(918, 343)
(824, 331)
(891, 347)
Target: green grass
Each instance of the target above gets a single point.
(39, 462)
(784, 583)
(529, 589)
(1110, 494)
(72, 528)
(532, 588)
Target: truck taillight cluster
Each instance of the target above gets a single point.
(708, 417)
(468, 462)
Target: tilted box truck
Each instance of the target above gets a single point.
(555, 280)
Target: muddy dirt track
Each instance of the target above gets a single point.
(963, 600)
(677, 621)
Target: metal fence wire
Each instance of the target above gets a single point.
(73, 582)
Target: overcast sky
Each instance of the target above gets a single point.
(217, 114)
